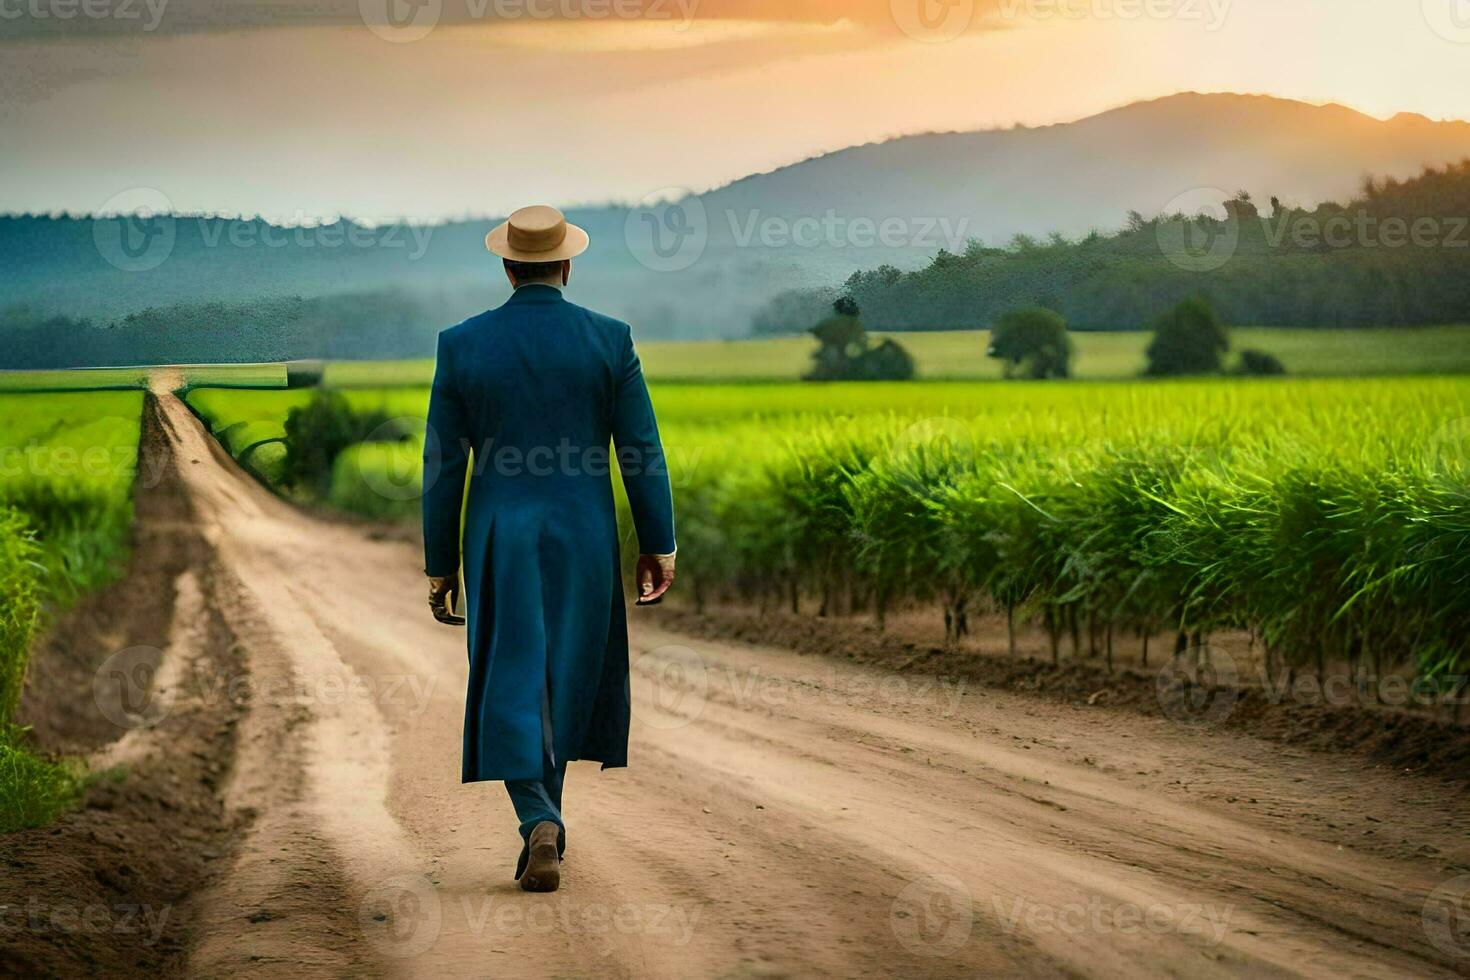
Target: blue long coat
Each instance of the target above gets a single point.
(536, 389)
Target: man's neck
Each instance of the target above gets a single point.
(539, 282)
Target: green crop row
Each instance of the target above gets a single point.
(1329, 517)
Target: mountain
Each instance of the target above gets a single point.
(1359, 263)
(705, 266)
(1078, 176)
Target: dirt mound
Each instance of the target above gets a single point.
(106, 888)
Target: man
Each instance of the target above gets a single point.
(536, 389)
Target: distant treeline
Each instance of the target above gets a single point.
(1397, 255)
(103, 269)
(363, 325)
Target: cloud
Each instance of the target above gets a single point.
(30, 20)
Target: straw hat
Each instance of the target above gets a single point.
(537, 234)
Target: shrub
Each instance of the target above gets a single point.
(1259, 362)
(1035, 341)
(886, 362)
(318, 432)
(1189, 339)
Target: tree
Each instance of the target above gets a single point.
(844, 353)
(842, 333)
(1189, 339)
(1033, 341)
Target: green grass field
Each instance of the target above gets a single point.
(67, 465)
(960, 355)
(272, 375)
(67, 461)
(940, 356)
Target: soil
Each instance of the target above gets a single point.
(1418, 739)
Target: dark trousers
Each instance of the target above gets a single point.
(537, 800)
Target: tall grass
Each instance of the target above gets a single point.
(20, 571)
(82, 531)
(32, 790)
(67, 462)
(1328, 518)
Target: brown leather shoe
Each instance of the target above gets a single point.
(541, 866)
(525, 855)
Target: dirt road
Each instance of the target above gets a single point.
(783, 815)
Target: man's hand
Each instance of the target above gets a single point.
(654, 576)
(444, 598)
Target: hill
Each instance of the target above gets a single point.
(811, 224)
(1396, 255)
(1075, 177)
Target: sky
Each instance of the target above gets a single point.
(386, 110)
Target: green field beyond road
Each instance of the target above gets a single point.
(939, 356)
(960, 355)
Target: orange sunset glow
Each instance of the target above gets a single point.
(383, 120)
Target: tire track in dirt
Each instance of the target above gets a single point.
(1089, 841)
